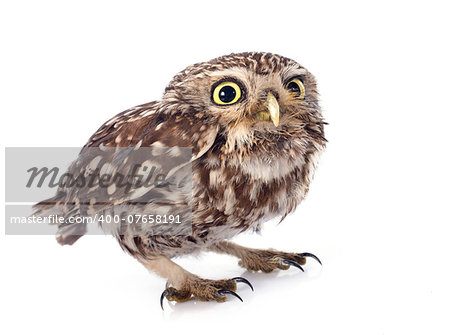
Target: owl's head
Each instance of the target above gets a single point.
(251, 96)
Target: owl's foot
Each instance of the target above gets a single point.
(263, 260)
(203, 290)
(269, 260)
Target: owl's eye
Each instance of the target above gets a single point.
(226, 93)
(296, 87)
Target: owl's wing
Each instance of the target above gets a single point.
(141, 136)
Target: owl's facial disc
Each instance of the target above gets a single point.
(263, 102)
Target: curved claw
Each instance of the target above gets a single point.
(307, 254)
(242, 280)
(222, 292)
(288, 262)
(165, 292)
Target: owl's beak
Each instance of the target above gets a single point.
(273, 108)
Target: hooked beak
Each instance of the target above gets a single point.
(273, 108)
(270, 111)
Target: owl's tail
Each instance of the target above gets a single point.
(67, 233)
(70, 233)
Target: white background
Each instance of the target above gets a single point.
(377, 213)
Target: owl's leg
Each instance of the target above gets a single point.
(182, 285)
(261, 259)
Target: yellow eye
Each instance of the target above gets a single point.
(296, 87)
(226, 93)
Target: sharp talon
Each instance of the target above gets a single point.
(307, 254)
(288, 262)
(165, 292)
(242, 280)
(222, 292)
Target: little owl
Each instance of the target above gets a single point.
(253, 128)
